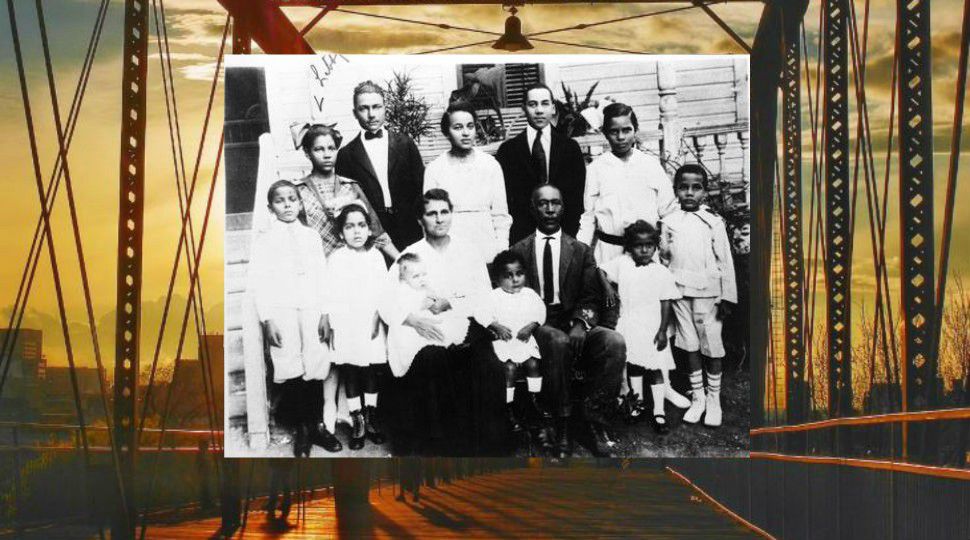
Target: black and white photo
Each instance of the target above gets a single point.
(464, 256)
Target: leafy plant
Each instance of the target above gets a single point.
(406, 112)
(571, 122)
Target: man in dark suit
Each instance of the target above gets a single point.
(387, 166)
(540, 156)
(562, 270)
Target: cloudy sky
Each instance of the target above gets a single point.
(195, 28)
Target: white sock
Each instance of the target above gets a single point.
(509, 394)
(370, 400)
(697, 382)
(330, 419)
(714, 383)
(637, 384)
(353, 404)
(534, 383)
(657, 391)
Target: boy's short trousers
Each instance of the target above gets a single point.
(301, 352)
(698, 327)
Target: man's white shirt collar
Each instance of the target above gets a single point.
(555, 236)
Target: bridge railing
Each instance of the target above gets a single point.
(849, 477)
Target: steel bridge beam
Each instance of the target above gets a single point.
(916, 208)
(131, 206)
(416, 3)
(792, 257)
(268, 26)
(838, 237)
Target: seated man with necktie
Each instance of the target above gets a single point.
(563, 272)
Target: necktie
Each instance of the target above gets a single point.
(376, 135)
(539, 158)
(548, 286)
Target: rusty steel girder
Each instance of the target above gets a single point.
(916, 203)
(791, 214)
(838, 237)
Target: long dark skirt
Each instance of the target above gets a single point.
(450, 402)
(297, 402)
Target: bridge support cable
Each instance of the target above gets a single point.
(916, 213)
(182, 236)
(185, 196)
(193, 285)
(85, 284)
(875, 205)
(185, 317)
(951, 179)
(35, 159)
(50, 194)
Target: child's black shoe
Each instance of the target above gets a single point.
(359, 430)
(660, 424)
(321, 436)
(372, 428)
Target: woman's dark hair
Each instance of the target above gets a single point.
(350, 209)
(636, 229)
(504, 259)
(277, 185)
(436, 194)
(691, 168)
(458, 106)
(318, 130)
(615, 110)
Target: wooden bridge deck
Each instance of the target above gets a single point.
(524, 503)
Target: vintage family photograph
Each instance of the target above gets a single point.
(458, 256)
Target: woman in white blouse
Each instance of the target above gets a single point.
(474, 182)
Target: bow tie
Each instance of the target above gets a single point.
(376, 135)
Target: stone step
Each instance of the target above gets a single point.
(233, 343)
(237, 246)
(235, 277)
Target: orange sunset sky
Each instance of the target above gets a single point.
(195, 27)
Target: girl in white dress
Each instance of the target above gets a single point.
(646, 289)
(287, 273)
(352, 327)
(513, 312)
(474, 182)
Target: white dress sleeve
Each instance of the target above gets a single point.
(501, 220)
(587, 221)
(432, 178)
(537, 308)
(666, 285)
(612, 268)
(666, 200)
(389, 308)
(484, 312)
